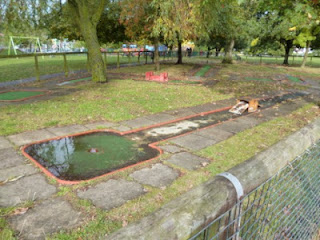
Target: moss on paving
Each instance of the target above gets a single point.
(223, 156)
(17, 95)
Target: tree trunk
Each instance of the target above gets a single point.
(156, 54)
(208, 53)
(228, 52)
(288, 45)
(217, 51)
(179, 52)
(305, 57)
(88, 19)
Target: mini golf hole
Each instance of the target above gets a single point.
(83, 157)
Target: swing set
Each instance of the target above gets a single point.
(12, 44)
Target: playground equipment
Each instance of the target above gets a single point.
(12, 44)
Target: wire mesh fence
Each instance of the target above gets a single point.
(287, 206)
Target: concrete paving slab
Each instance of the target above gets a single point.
(158, 175)
(67, 130)
(121, 128)
(48, 217)
(160, 117)
(29, 137)
(111, 194)
(213, 133)
(237, 125)
(32, 187)
(10, 158)
(193, 141)
(187, 160)
(203, 108)
(171, 148)
(99, 125)
(139, 122)
(4, 143)
(20, 170)
(180, 113)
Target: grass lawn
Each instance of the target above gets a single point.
(114, 101)
(11, 68)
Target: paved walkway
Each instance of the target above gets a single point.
(22, 181)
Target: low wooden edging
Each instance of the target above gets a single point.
(189, 213)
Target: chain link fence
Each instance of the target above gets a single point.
(287, 206)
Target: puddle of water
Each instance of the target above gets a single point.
(87, 156)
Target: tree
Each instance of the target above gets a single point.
(139, 16)
(87, 15)
(285, 22)
(176, 21)
(222, 25)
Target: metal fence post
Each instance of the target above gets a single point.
(139, 57)
(36, 63)
(118, 60)
(65, 65)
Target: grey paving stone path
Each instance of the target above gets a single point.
(10, 158)
(139, 122)
(67, 130)
(193, 141)
(187, 160)
(4, 143)
(45, 218)
(17, 171)
(29, 137)
(213, 133)
(159, 175)
(122, 128)
(32, 187)
(160, 117)
(180, 113)
(171, 148)
(99, 125)
(237, 125)
(111, 194)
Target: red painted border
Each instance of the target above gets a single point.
(152, 145)
(46, 92)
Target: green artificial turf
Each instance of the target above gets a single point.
(294, 79)
(258, 79)
(202, 71)
(17, 95)
(186, 82)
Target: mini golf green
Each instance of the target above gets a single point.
(89, 155)
(74, 81)
(185, 82)
(258, 79)
(202, 71)
(19, 95)
(294, 79)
